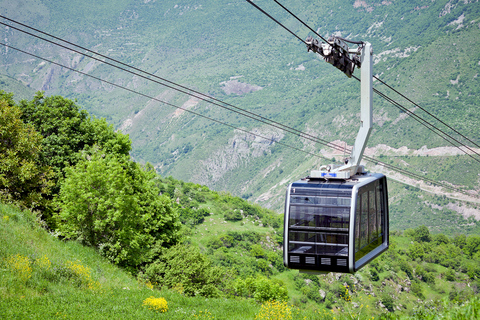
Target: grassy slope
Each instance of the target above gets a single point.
(364, 289)
(118, 295)
(53, 294)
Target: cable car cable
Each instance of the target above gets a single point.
(424, 123)
(261, 10)
(282, 127)
(403, 96)
(430, 114)
(204, 97)
(291, 13)
(161, 101)
(303, 135)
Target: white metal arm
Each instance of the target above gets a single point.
(352, 165)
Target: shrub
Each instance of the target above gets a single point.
(233, 215)
(450, 275)
(257, 251)
(417, 290)
(261, 288)
(374, 275)
(388, 302)
(184, 267)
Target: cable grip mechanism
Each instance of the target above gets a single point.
(337, 53)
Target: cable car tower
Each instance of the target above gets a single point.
(336, 220)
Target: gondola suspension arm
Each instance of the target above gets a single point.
(337, 53)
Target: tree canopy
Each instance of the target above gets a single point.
(67, 130)
(22, 180)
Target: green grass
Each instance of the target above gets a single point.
(99, 289)
(48, 294)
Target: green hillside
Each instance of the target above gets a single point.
(235, 53)
(103, 231)
(44, 277)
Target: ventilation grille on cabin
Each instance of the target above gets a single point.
(342, 262)
(295, 259)
(310, 260)
(326, 261)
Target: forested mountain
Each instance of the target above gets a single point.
(427, 50)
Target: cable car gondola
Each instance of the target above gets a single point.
(335, 225)
(336, 220)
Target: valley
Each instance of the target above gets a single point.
(423, 49)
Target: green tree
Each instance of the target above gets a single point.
(440, 238)
(67, 130)
(111, 203)
(422, 234)
(472, 246)
(22, 179)
(460, 240)
(416, 250)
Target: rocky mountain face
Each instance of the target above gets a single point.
(230, 51)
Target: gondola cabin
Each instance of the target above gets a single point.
(335, 225)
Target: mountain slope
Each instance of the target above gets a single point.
(427, 50)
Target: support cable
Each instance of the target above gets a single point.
(430, 114)
(164, 102)
(413, 175)
(297, 132)
(261, 10)
(200, 96)
(426, 124)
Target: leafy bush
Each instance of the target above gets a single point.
(388, 302)
(185, 269)
(450, 275)
(406, 267)
(193, 216)
(257, 251)
(261, 288)
(233, 215)
(417, 290)
(374, 275)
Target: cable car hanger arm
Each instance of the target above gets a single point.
(337, 53)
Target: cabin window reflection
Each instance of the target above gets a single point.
(319, 224)
(369, 222)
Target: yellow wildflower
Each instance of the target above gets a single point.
(156, 304)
